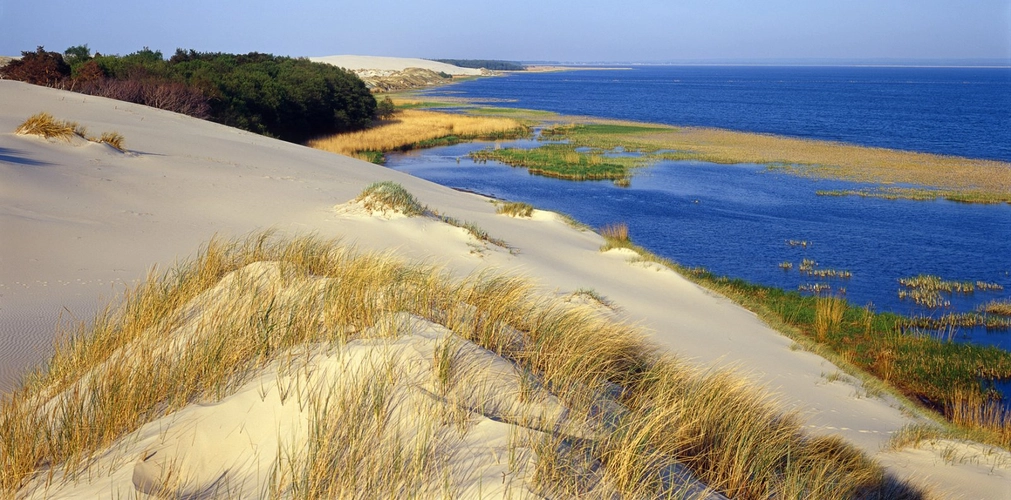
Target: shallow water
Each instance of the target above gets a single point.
(737, 220)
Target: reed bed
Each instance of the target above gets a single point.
(271, 295)
(926, 290)
(915, 363)
(917, 175)
(412, 128)
(997, 307)
(952, 321)
(561, 161)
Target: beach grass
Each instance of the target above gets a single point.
(136, 363)
(514, 209)
(944, 377)
(411, 128)
(388, 196)
(46, 126)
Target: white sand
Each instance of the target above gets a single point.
(358, 63)
(77, 221)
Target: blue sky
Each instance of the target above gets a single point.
(547, 30)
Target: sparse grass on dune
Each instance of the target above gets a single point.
(389, 196)
(45, 126)
(410, 128)
(262, 297)
(514, 209)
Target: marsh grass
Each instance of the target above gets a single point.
(263, 297)
(45, 126)
(562, 161)
(926, 290)
(930, 372)
(926, 176)
(114, 139)
(997, 307)
(411, 129)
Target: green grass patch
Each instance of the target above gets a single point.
(562, 161)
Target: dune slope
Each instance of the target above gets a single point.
(81, 220)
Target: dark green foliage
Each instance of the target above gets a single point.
(484, 63)
(39, 68)
(76, 56)
(291, 99)
(385, 109)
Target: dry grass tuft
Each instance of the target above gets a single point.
(615, 236)
(44, 125)
(639, 424)
(388, 196)
(828, 315)
(515, 209)
(113, 139)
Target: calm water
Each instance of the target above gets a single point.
(736, 220)
(956, 111)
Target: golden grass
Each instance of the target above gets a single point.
(652, 414)
(515, 209)
(388, 196)
(963, 179)
(828, 315)
(114, 139)
(997, 307)
(413, 128)
(45, 126)
(615, 236)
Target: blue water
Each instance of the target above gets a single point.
(736, 220)
(955, 111)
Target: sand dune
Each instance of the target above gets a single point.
(359, 63)
(78, 221)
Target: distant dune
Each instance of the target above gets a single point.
(356, 63)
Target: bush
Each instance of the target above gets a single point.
(291, 99)
(385, 109)
(38, 68)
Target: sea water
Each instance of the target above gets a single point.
(738, 220)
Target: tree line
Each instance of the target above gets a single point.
(292, 99)
(484, 63)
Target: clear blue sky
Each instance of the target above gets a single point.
(574, 31)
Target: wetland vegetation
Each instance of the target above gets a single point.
(910, 355)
